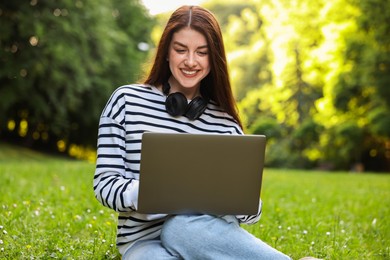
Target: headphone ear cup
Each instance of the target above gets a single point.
(176, 104)
(195, 108)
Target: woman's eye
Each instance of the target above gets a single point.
(202, 53)
(180, 50)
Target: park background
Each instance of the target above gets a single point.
(313, 76)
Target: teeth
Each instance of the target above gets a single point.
(188, 72)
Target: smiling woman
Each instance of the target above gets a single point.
(190, 64)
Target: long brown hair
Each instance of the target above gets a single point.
(217, 83)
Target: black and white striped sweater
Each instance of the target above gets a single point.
(132, 110)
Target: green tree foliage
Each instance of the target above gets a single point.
(60, 60)
(356, 93)
(320, 73)
(247, 52)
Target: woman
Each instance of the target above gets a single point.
(190, 64)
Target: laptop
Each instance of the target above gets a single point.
(200, 173)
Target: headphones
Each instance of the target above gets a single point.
(176, 104)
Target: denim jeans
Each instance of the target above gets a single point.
(203, 237)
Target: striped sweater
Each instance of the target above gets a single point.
(132, 110)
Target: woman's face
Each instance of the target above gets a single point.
(188, 61)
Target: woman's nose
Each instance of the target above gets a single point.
(190, 60)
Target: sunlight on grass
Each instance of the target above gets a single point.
(48, 210)
(328, 215)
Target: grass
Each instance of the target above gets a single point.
(48, 210)
(327, 215)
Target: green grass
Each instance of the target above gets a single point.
(48, 210)
(327, 215)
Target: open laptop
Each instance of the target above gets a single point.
(200, 173)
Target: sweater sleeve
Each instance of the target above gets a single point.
(251, 219)
(111, 186)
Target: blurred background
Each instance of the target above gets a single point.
(313, 76)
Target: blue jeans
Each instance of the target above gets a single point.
(203, 237)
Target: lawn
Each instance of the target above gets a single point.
(48, 210)
(327, 215)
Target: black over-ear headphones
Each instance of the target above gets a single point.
(176, 104)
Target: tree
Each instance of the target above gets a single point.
(59, 63)
(356, 97)
(322, 75)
